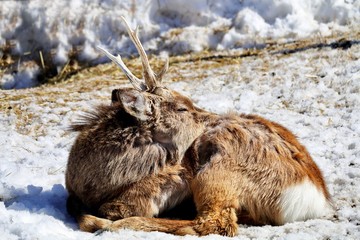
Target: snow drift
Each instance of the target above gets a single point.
(57, 31)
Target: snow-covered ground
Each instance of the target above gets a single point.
(315, 92)
(49, 31)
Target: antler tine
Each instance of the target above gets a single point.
(137, 83)
(150, 78)
(161, 73)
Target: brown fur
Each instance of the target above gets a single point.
(150, 151)
(121, 166)
(236, 169)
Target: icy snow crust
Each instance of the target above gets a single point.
(57, 28)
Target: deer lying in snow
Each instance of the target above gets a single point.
(153, 148)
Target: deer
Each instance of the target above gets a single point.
(153, 148)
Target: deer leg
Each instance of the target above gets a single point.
(115, 210)
(217, 221)
(148, 197)
(135, 201)
(217, 204)
(129, 204)
(177, 227)
(216, 198)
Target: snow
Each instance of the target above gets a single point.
(315, 93)
(62, 28)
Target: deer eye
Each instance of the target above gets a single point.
(182, 109)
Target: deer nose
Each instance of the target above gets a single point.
(114, 96)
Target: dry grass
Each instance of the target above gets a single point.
(205, 59)
(75, 84)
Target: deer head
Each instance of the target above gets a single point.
(175, 119)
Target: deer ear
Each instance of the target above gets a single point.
(135, 103)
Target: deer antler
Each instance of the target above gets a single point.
(151, 80)
(137, 83)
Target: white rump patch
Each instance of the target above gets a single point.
(304, 201)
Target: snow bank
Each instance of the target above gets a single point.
(63, 28)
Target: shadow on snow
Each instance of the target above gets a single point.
(50, 202)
